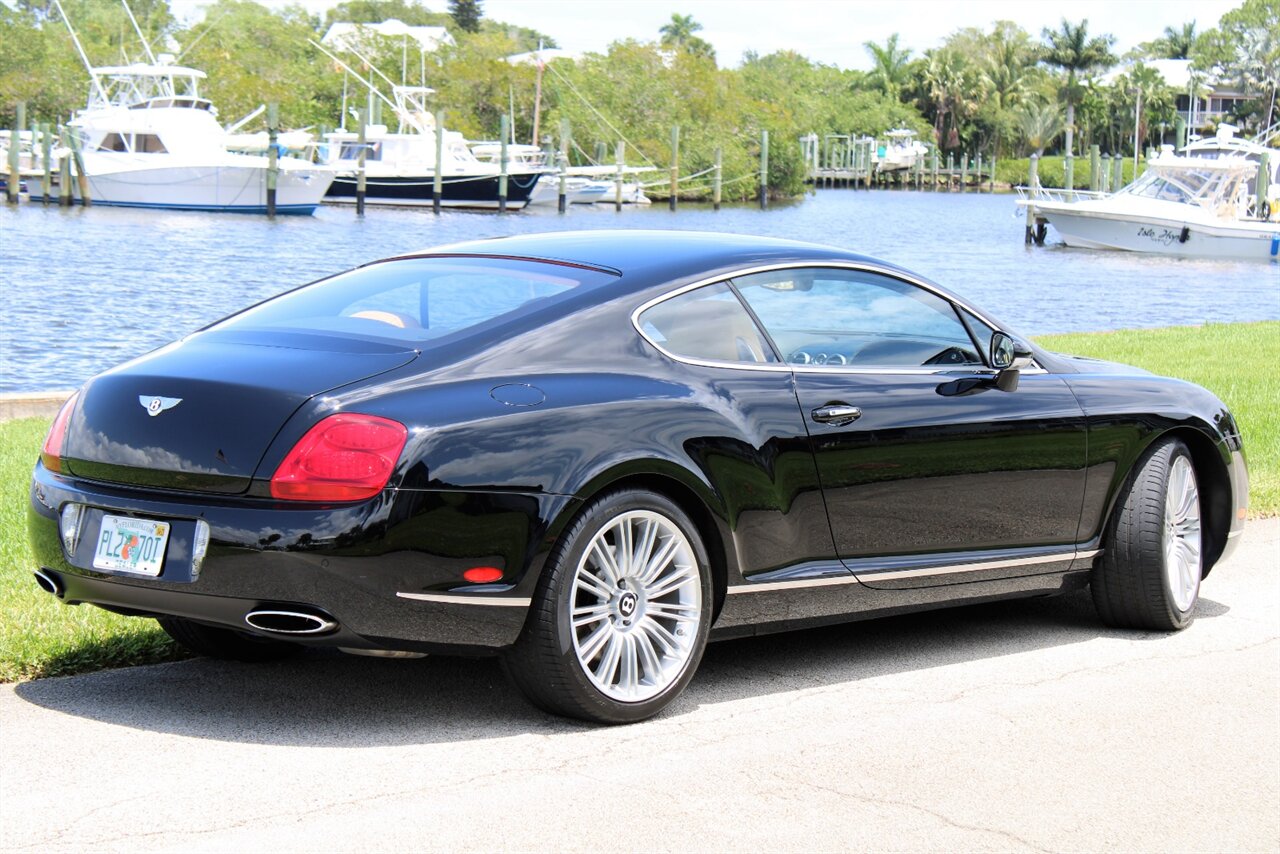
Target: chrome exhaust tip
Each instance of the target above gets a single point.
(48, 583)
(289, 622)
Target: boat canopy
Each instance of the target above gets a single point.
(142, 85)
(1221, 186)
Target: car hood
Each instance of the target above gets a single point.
(199, 414)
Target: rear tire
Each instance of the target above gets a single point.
(225, 643)
(620, 618)
(1149, 575)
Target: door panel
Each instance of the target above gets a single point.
(922, 472)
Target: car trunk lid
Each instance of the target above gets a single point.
(199, 414)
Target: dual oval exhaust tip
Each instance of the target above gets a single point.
(271, 620)
(281, 622)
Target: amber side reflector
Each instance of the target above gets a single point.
(483, 574)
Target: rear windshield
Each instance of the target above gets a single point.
(418, 298)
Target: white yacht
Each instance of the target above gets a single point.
(1190, 206)
(150, 140)
(901, 151)
(400, 164)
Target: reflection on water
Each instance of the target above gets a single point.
(87, 289)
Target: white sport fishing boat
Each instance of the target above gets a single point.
(149, 140)
(1190, 206)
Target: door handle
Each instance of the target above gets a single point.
(837, 414)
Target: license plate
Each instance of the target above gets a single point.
(126, 544)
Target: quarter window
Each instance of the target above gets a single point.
(837, 317)
(708, 323)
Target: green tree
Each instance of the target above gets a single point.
(466, 14)
(410, 12)
(889, 65)
(1177, 42)
(1245, 48)
(1071, 49)
(1039, 123)
(678, 34)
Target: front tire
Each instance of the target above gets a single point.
(214, 642)
(620, 619)
(1149, 576)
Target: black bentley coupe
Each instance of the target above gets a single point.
(591, 452)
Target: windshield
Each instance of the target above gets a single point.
(417, 299)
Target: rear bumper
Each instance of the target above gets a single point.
(387, 571)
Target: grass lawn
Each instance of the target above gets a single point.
(40, 636)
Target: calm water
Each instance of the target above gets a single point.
(87, 289)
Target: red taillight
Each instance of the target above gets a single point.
(51, 453)
(346, 457)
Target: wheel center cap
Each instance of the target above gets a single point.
(627, 604)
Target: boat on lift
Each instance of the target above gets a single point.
(900, 151)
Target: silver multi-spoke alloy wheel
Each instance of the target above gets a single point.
(1181, 538)
(635, 606)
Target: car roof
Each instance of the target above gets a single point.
(640, 254)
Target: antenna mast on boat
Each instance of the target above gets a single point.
(347, 68)
(145, 46)
(83, 57)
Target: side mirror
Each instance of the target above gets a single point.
(1009, 356)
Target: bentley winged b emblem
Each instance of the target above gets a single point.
(156, 405)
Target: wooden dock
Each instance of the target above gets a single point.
(846, 160)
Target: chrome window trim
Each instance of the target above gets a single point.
(921, 572)
(815, 369)
(469, 599)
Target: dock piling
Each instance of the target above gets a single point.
(1033, 187)
(363, 119)
(675, 165)
(437, 180)
(46, 161)
(764, 169)
(1095, 167)
(716, 179)
(77, 160)
(504, 163)
(617, 181)
(562, 160)
(64, 174)
(273, 165)
(1262, 185)
(15, 138)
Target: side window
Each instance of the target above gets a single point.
(707, 323)
(837, 317)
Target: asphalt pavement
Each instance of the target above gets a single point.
(1008, 727)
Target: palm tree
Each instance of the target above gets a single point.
(1003, 70)
(678, 34)
(1177, 43)
(1070, 48)
(890, 71)
(1039, 124)
(679, 30)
